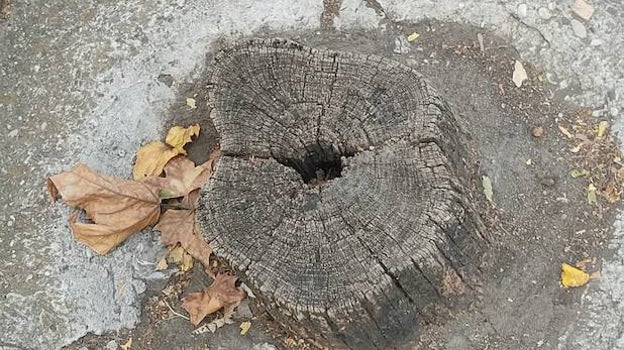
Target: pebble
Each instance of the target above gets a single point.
(14, 133)
(112, 345)
(614, 111)
(578, 28)
(523, 10)
(596, 42)
(401, 45)
(544, 13)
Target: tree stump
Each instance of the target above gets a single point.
(341, 196)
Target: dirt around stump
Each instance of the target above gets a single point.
(341, 198)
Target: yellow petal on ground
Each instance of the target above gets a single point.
(244, 327)
(178, 136)
(572, 277)
(191, 103)
(151, 159)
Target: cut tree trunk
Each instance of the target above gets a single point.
(341, 197)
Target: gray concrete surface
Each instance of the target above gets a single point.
(78, 82)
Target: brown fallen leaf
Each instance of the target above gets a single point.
(151, 159)
(221, 293)
(178, 226)
(182, 176)
(117, 207)
(178, 136)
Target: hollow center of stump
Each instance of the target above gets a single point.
(320, 164)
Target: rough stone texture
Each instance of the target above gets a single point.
(360, 256)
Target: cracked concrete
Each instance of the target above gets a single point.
(79, 82)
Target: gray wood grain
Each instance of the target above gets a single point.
(357, 259)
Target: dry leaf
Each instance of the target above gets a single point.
(178, 136)
(178, 226)
(582, 9)
(117, 207)
(182, 177)
(181, 258)
(591, 194)
(151, 159)
(127, 345)
(573, 277)
(413, 37)
(244, 327)
(519, 74)
(487, 189)
(191, 103)
(565, 132)
(577, 148)
(221, 293)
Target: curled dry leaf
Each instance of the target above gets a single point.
(178, 226)
(117, 207)
(151, 159)
(178, 136)
(221, 293)
(244, 327)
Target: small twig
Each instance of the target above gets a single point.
(175, 312)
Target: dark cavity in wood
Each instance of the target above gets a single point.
(342, 194)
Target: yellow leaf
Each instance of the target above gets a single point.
(413, 37)
(151, 159)
(573, 277)
(244, 326)
(180, 257)
(178, 136)
(127, 345)
(191, 103)
(117, 207)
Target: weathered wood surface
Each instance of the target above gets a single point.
(356, 259)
